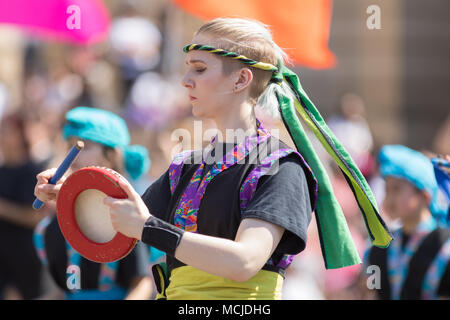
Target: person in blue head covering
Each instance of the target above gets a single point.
(107, 139)
(107, 144)
(401, 163)
(416, 264)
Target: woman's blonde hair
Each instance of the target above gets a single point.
(253, 39)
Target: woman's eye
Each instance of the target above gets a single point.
(200, 70)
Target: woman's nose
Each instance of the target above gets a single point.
(187, 82)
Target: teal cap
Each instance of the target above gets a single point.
(96, 125)
(107, 128)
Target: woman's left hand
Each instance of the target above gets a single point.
(128, 216)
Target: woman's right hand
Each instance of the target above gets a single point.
(43, 190)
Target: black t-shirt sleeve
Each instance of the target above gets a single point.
(157, 196)
(282, 198)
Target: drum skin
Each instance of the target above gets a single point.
(106, 181)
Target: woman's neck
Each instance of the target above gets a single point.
(235, 125)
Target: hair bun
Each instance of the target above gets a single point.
(137, 161)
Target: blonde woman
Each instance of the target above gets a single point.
(231, 216)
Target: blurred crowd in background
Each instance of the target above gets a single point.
(136, 74)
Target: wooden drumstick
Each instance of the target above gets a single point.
(70, 158)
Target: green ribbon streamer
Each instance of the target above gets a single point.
(337, 246)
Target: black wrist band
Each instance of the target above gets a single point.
(161, 235)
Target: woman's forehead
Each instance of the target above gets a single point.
(198, 56)
(203, 56)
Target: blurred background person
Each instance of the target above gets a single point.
(350, 125)
(106, 141)
(20, 269)
(416, 264)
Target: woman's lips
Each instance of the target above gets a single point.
(192, 98)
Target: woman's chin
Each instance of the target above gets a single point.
(202, 112)
(197, 111)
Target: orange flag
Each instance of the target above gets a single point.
(300, 27)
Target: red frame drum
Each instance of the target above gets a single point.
(106, 181)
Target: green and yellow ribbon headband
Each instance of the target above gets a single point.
(338, 248)
(232, 55)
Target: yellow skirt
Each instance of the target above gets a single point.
(188, 283)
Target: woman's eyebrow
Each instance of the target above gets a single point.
(194, 61)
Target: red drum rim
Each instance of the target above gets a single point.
(106, 181)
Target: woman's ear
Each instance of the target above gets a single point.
(244, 78)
